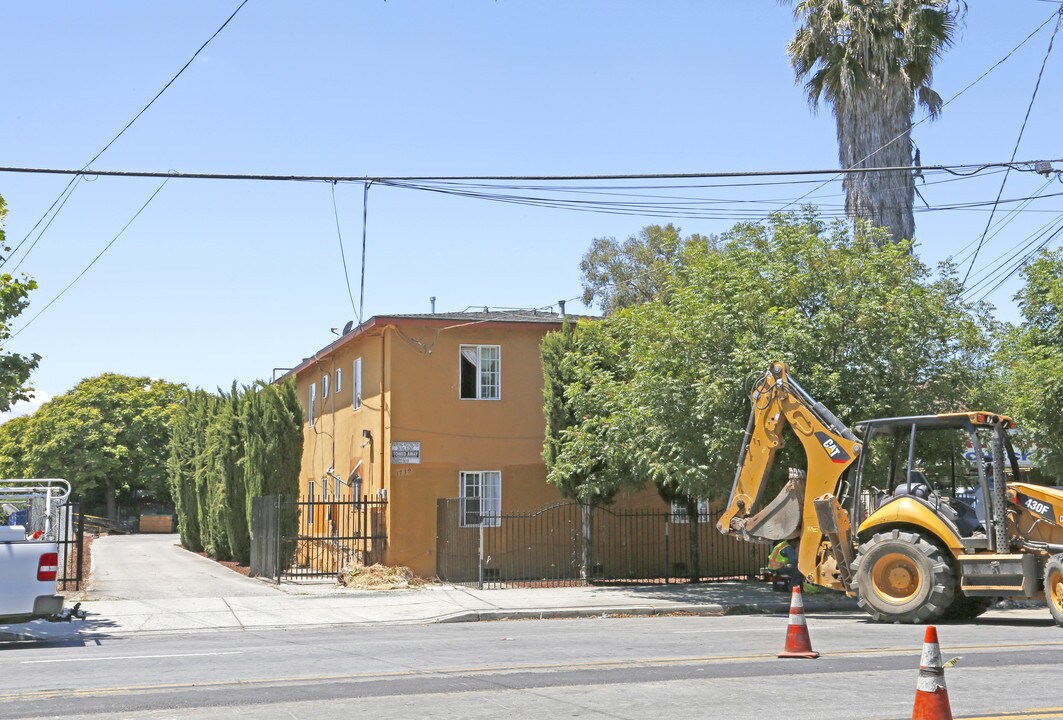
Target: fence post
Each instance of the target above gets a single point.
(279, 535)
(81, 543)
(481, 563)
(667, 565)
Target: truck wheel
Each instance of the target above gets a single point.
(903, 578)
(1054, 587)
(967, 608)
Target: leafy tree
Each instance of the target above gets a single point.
(186, 453)
(591, 483)
(619, 275)
(15, 369)
(867, 327)
(1031, 360)
(873, 61)
(13, 447)
(108, 436)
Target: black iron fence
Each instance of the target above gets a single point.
(549, 547)
(303, 539)
(71, 541)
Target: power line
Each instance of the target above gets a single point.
(94, 260)
(343, 256)
(970, 168)
(1015, 150)
(70, 186)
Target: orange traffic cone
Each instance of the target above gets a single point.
(931, 695)
(798, 644)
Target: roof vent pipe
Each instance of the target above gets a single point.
(433, 301)
(562, 304)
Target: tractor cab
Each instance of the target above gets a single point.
(944, 462)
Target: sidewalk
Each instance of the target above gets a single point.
(325, 604)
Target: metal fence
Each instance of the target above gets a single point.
(305, 539)
(53, 519)
(546, 547)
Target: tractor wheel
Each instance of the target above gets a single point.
(967, 608)
(1054, 587)
(903, 578)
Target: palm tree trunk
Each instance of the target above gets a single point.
(874, 130)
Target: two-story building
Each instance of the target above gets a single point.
(413, 408)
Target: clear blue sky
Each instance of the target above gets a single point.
(216, 281)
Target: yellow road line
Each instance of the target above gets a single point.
(1034, 714)
(500, 669)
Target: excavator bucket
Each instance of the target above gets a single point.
(780, 519)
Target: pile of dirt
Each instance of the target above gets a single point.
(379, 577)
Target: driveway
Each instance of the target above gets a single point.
(155, 567)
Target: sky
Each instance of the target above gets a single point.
(216, 281)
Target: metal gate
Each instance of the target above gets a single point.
(306, 539)
(44, 507)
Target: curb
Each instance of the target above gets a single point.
(606, 611)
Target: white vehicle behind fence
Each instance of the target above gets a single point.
(30, 557)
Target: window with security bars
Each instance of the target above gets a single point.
(481, 498)
(481, 372)
(679, 512)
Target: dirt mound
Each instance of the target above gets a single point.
(379, 577)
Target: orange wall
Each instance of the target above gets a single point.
(418, 400)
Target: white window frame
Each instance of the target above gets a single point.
(312, 405)
(324, 386)
(310, 505)
(679, 512)
(480, 504)
(339, 380)
(485, 388)
(356, 395)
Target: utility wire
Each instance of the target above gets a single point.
(94, 260)
(64, 196)
(365, 224)
(343, 256)
(1015, 150)
(969, 168)
(122, 132)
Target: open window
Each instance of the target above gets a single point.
(481, 372)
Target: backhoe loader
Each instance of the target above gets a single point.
(893, 518)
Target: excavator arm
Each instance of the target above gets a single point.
(830, 448)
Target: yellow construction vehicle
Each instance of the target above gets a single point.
(935, 537)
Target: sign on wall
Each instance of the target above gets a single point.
(405, 453)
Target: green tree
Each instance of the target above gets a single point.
(591, 483)
(1031, 360)
(13, 447)
(108, 436)
(15, 369)
(868, 328)
(618, 275)
(873, 62)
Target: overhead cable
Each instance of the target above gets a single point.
(70, 185)
(1015, 150)
(94, 260)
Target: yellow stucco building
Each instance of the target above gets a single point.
(413, 408)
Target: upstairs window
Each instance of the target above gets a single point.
(481, 372)
(311, 404)
(339, 380)
(356, 400)
(324, 386)
(481, 498)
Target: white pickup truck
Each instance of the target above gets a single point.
(29, 553)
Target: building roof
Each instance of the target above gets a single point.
(485, 315)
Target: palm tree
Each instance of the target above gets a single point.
(873, 61)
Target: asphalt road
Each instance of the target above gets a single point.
(595, 668)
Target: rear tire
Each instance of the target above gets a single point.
(967, 608)
(903, 578)
(1054, 587)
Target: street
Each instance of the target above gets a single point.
(601, 667)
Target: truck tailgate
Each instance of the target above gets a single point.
(20, 586)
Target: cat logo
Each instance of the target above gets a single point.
(829, 444)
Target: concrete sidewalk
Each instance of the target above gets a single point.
(306, 605)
